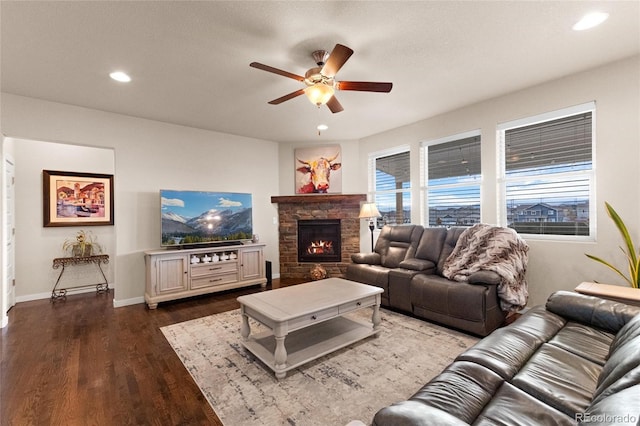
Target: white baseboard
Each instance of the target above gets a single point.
(127, 302)
(5, 321)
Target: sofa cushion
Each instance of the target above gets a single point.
(507, 349)
(587, 342)
(632, 378)
(396, 243)
(458, 300)
(590, 310)
(621, 362)
(462, 390)
(511, 406)
(559, 378)
(628, 332)
(618, 409)
(414, 413)
(447, 247)
(430, 245)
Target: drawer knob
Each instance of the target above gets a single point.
(358, 303)
(313, 317)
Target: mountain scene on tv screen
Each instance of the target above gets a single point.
(190, 217)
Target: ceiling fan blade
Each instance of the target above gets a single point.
(334, 105)
(276, 71)
(287, 97)
(364, 86)
(336, 60)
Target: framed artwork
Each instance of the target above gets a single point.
(77, 199)
(318, 170)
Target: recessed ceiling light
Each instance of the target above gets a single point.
(590, 20)
(322, 127)
(120, 76)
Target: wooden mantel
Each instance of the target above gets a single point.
(317, 198)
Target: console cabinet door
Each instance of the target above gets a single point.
(251, 264)
(172, 273)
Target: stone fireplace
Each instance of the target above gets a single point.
(335, 213)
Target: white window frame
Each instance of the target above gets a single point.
(424, 147)
(591, 174)
(373, 156)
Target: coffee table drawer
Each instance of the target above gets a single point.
(306, 320)
(357, 304)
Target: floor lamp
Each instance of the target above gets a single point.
(370, 211)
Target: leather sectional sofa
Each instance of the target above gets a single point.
(407, 263)
(574, 360)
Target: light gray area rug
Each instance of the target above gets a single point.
(350, 384)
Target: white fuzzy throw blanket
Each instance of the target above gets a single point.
(490, 248)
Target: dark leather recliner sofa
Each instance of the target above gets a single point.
(407, 263)
(574, 360)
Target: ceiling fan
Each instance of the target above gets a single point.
(320, 80)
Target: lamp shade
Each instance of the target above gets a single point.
(319, 93)
(368, 211)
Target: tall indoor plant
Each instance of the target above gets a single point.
(630, 251)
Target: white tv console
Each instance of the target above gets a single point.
(171, 274)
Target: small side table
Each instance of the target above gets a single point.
(63, 262)
(628, 295)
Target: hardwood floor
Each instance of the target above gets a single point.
(82, 362)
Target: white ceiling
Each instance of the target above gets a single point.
(190, 60)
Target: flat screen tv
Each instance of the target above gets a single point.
(195, 218)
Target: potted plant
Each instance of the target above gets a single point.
(84, 244)
(630, 252)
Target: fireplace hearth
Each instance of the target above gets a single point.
(319, 240)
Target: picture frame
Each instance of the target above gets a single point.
(318, 170)
(77, 199)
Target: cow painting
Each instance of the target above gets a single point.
(316, 173)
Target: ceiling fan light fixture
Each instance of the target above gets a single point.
(120, 76)
(591, 20)
(319, 93)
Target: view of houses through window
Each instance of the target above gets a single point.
(451, 180)
(390, 185)
(545, 183)
(547, 173)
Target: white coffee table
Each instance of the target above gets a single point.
(310, 318)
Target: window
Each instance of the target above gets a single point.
(390, 185)
(547, 166)
(451, 180)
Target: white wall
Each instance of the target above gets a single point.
(616, 90)
(149, 155)
(36, 246)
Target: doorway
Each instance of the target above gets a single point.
(9, 232)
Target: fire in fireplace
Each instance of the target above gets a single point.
(319, 240)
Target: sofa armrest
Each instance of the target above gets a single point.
(418, 265)
(368, 258)
(590, 310)
(484, 277)
(414, 413)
